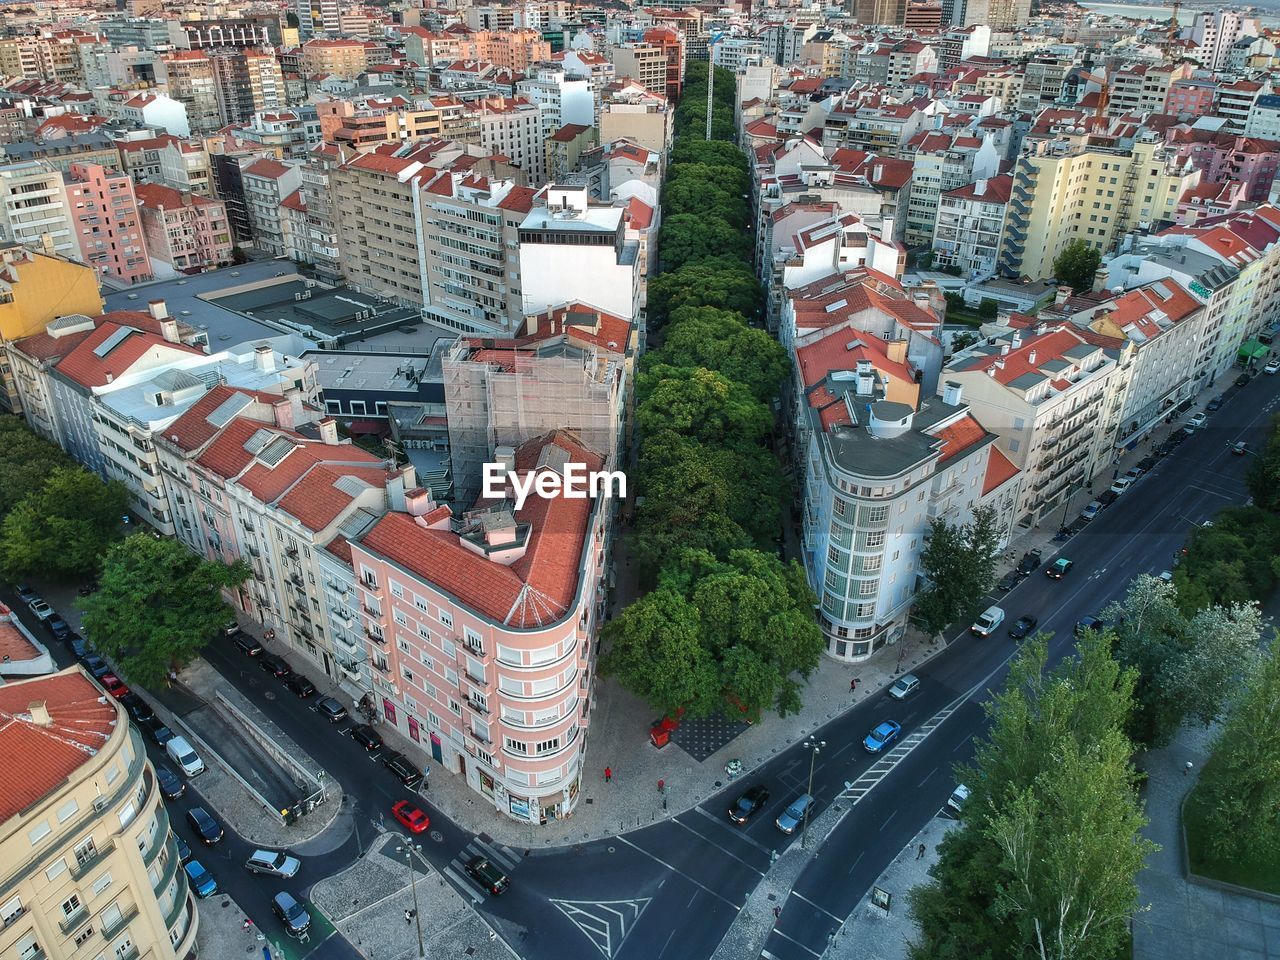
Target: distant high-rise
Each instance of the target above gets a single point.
(874, 12)
(316, 18)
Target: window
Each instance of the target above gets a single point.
(399, 617)
(56, 869)
(404, 672)
(547, 746)
(127, 814)
(515, 746)
(39, 832)
(397, 591)
(101, 883)
(83, 936)
(71, 905)
(446, 619)
(11, 911)
(68, 810)
(474, 640)
(86, 850)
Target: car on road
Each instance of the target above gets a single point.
(58, 628)
(79, 648)
(1108, 497)
(411, 817)
(291, 913)
(366, 736)
(403, 768)
(207, 829)
(1242, 380)
(1091, 510)
(1215, 404)
(1240, 448)
(1024, 626)
(157, 731)
(987, 622)
(1030, 562)
(1197, 421)
(1166, 576)
(184, 851)
(1009, 581)
(958, 796)
(1089, 623)
(331, 708)
(201, 880)
(749, 802)
(1272, 367)
(96, 666)
(904, 686)
(115, 686)
(184, 755)
(1134, 472)
(794, 815)
(171, 785)
(138, 708)
(1059, 568)
(488, 875)
(1120, 485)
(278, 667)
(300, 685)
(882, 735)
(1179, 435)
(25, 593)
(40, 609)
(247, 644)
(273, 863)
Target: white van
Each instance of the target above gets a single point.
(987, 623)
(184, 755)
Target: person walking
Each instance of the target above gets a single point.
(853, 685)
(608, 774)
(408, 916)
(1187, 768)
(920, 852)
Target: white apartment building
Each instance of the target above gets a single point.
(969, 225)
(561, 99)
(33, 205)
(512, 127)
(267, 183)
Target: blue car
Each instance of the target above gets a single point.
(884, 733)
(201, 880)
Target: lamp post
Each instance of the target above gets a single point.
(1067, 496)
(409, 849)
(814, 747)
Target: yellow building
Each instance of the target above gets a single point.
(1068, 190)
(89, 862)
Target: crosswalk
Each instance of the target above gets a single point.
(498, 854)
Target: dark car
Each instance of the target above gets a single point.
(1215, 404)
(171, 785)
(138, 708)
(1009, 581)
(184, 851)
(57, 627)
(96, 666)
(207, 829)
(751, 801)
(1178, 436)
(1030, 562)
(157, 731)
(1242, 380)
(276, 666)
(1184, 406)
(399, 764)
(292, 914)
(483, 870)
(364, 735)
(1146, 463)
(25, 593)
(79, 648)
(1023, 627)
(300, 685)
(331, 708)
(246, 643)
(1108, 497)
(1089, 623)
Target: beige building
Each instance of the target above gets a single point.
(188, 75)
(645, 63)
(341, 58)
(631, 112)
(90, 866)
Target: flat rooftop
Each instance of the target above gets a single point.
(335, 313)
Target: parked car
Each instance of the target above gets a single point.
(1008, 581)
(79, 648)
(25, 593)
(232, 626)
(1197, 421)
(1023, 627)
(157, 731)
(987, 622)
(958, 796)
(1179, 435)
(331, 708)
(488, 875)
(1166, 576)
(58, 628)
(184, 851)
(1146, 463)
(292, 914)
(276, 666)
(1240, 448)
(182, 753)
(115, 686)
(366, 736)
(201, 880)
(411, 817)
(749, 802)
(1272, 367)
(207, 829)
(1059, 568)
(300, 685)
(273, 863)
(1108, 497)
(1133, 473)
(1215, 404)
(904, 686)
(1242, 380)
(138, 708)
(172, 786)
(41, 609)
(96, 666)
(1030, 562)
(1121, 484)
(403, 768)
(247, 644)
(883, 734)
(794, 815)
(1091, 510)
(1089, 623)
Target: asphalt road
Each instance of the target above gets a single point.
(673, 889)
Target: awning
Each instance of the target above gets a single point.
(361, 427)
(1253, 350)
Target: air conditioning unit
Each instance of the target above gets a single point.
(101, 803)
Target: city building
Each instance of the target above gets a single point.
(188, 76)
(248, 82)
(184, 233)
(511, 127)
(629, 111)
(337, 57)
(267, 183)
(107, 224)
(645, 63)
(34, 209)
(970, 222)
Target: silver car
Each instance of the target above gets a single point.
(793, 816)
(904, 686)
(275, 863)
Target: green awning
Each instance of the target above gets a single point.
(1253, 350)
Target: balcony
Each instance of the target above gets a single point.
(478, 707)
(99, 854)
(75, 920)
(170, 868)
(479, 738)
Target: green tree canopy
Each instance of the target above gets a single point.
(157, 605)
(713, 152)
(1263, 477)
(721, 281)
(960, 562)
(720, 340)
(26, 461)
(1231, 562)
(689, 238)
(725, 177)
(1077, 265)
(702, 404)
(64, 527)
(696, 197)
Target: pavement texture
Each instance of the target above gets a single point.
(368, 902)
(222, 934)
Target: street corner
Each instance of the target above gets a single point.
(363, 884)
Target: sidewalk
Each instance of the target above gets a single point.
(222, 934)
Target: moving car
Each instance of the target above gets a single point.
(274, 863)
(41, 609)
(115, 686)
(207, 829)
(883, 735)
(57, 627)
(987, 622)
(749, 802)
(411, 817)
(171, 785)
(488, 875)
(247, 644)
(138, 708)
(403, 768)
(1272, 367)
(958, 796)
(1023, 627)
(1197, 421)
(904, 686)
(1091, 510)
(300, 685)
(364, 735)
(1059, 568)
(1121, 485)
(184, 755)
(201, 880)
(331, 708)
(794, 815)
(1240, 448)
(276, 666)
(292, 914)
(1089, 623)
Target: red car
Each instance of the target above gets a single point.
(115, 686)
(410, 816)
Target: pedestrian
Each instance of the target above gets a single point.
(920, 852)
(1187, 769)
(662, 786)
(853, 685)
(247, 923)
(777, 914)
(408, 916)
(608, 774)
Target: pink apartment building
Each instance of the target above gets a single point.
(1193, 97)
(104, 214)
(190, 233)
(483, 629)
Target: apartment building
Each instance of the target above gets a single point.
(1053, 398)
(595, 68)
(970, 223)
(286, 134)
(645, 63)
(1215, 32)
(88, 855)
(321, 231)
(267, 183)
(481, 640)
(188, 76)
(628, 111)
(880, 12)
(369, 121)
(512, 50)
(511, 127)
(184, 232)
(884, 129)
(1142, 88)
(33, 207)
(668, 40)
(560, 98)
(249, 81)
(432, 48)
(108, 227)
(337, 57)
(941, 162)
(1223, 157)
(318, 17)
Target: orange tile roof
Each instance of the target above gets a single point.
(88, 369)
(959, 436)
(1000, 469)
(14, 645)
(316, 501)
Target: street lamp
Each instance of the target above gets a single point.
(1067, 496)
(409, 849)
(814, 747)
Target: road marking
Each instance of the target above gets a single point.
(670, 937)
(725, 827)
(801, 896)
(696, 883)
(606, 923)
(727, 851)
(856, 862)
(464, 885)
(504, 859)
(928, 778)
(887, 819)
(796, 942)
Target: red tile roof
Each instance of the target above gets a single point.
(999, 470)
(959, 436)
(88, 369)
(267, 168)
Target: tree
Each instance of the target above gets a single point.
(960, 563)
(64, 527)
(720, 340)
(725, 282)
(1231, 562)
(1263, 477)
(962, 341)
(987, 309)
(725, 177)
(715, 152)
(702, 404)
(238, 256)
(701, 198)
(1077, 264)
(688, 238)
(26, 461)
(157, 605)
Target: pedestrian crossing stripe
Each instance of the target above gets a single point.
(606, 923)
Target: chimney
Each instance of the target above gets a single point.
(979, 188)
(1004, 349)
(329, 431)
(39, 712)
(1017, 339)
(158, 309)
(169, 330)
(1061, 296)
(109, 376)
(506, 456)
(418, 502)
(1031, 358)
(991, 372)
(46, 245)
(951, 393)
(264, 360)
(886, 230)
